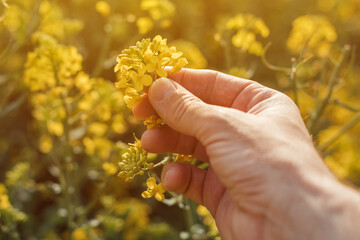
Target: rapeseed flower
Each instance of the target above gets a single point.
(133, 161)
(103, 8)
(313, 33)
(247, 27)
(153, 121)
(156, 190)
(140, 65)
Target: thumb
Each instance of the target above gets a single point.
(179, 108)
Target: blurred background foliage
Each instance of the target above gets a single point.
(64, 126)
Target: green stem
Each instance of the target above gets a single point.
(188, 215)
(341, 132)
(99, 193)
(227, 51)
(293, 82)
(345, 106)
(68, 157)
(102, 56)
(271, 66)
(333, 80)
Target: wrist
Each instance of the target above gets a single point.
(323, 209)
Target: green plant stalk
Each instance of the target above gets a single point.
(99, 192)
(345, 106)
(294, 83)
(333, 80)
(103, 53)
(227, 52)
(341, 132)
(271, 66)
(188, 215)
(68, 159)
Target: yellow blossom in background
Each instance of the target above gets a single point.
(55, 128)
(46, 144)
(209, 221)
(247, 27)
(79, 234)
(64, 125)
(53, 22)
(343, 9)
(40, 73)
(144, 25)
(15, 19)
(103, 8)
(313, 33)
(156, 190)
(192, 53)
(3, 6)
(109, 168)
(4, 198)
(158, 9)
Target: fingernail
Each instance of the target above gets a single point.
(161, 89)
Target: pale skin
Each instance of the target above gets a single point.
(266, 179)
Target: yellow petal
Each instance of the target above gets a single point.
(159, 196)
(161, 188)
(176, 55)
(147, 80)
(151, 183)
(147, 194)
(161, 72)
(150, 67)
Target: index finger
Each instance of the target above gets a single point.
(213, 87)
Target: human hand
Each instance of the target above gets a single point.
(266, 180)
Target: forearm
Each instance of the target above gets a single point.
(325, 209)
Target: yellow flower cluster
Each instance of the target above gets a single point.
(313, 33)
(158, 9)
(68, 104)
(103, 8)
(53, 22)
(247, 26)
(140, 65)
(3, 6)
(133, 162)
(51, 65)
(7, 212)
(192, 53)
(156, 190)
(153, 121)
(4, 198)
(208, 221)
(344, 9)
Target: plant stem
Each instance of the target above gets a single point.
(293, 82)
(102, 56)
(333, 80)
(343, 130)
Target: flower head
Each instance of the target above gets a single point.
(133, 162)
(156, 190)
(140, 65)
(313, 33)
(247, 27)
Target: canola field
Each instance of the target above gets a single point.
(70, 167)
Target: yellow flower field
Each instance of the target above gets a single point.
(71, 70)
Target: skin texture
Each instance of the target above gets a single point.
(266, 180)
